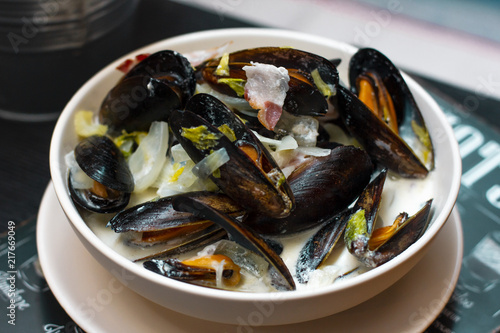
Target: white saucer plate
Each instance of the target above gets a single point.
(97, 302)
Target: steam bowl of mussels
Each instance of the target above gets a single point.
(241, 173)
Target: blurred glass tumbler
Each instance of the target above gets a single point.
(47, 25)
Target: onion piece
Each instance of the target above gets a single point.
(199, 56)
(148, 159)
(179, 154)
(286, 143)
(313, 151)
(232, 102)
(86, 125)
(211, 163)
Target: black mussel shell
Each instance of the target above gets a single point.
(172, 68)
(320, 245)
(159, 214)
(194, 241)
(135, 102)
(361, 226)
(368, 59)
(383, 145)
(256, 185)
(217, 114)
(303, 96)
(409, 118)
(412, 229)
(102, 161)
(369, 203)
(291, 58)
(241, 234)
(322, 188)
(115, 202)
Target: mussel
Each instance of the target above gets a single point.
(158, 222)
(312, 79)
(384, 117)
(159, 214)
(373, 247)
(251, 177)
(322, 187)
(320, 245)
(134, 103)
(160, 83)
(204, 270)
(170, 67)
(241, 234)
(107, 181)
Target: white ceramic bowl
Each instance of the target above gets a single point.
(264, 308)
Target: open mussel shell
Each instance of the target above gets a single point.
(359, 231)
(170, 67)
(89, 200)
(361, 224)
(205, 237)
(408, 233)
(288, 57)
(256, 183)
(241, 234)
(211, 271)
(369, 62)
(304, 96)
(322, 187)
(100, 159)
(214, 111)
(159, 214)
(383, 145)
(320, 245)
(135, 102)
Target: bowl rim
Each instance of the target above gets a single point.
(79, 224)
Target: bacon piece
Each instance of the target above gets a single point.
(129, 63)
(125, 66)
(265, 90)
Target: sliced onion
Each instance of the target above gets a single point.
(211, 163)
(232, 102)
(286, 143)
(86, 125)
(178, 178)
(199, 56)
(179, 154)
(148, 159)
(313, 151)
